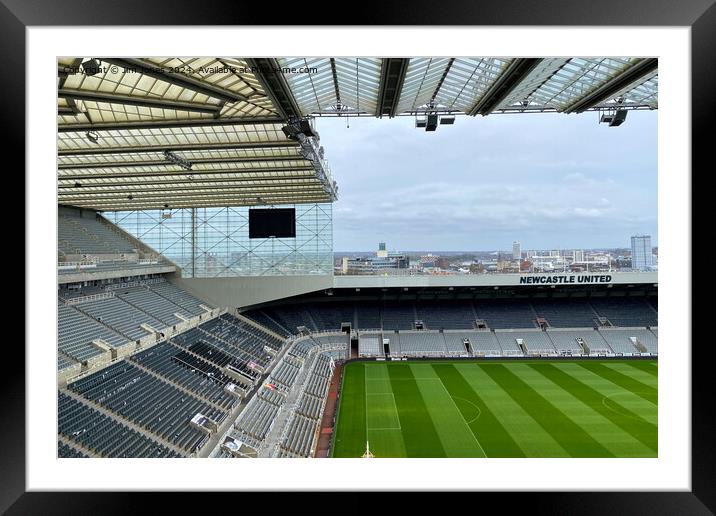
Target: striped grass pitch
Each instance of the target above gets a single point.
(560, 408)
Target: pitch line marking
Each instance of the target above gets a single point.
(479, 412)
(633, 416)
(395, 408)
(458, 411)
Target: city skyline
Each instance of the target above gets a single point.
(543, 180)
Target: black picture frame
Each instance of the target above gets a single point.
(699, 15)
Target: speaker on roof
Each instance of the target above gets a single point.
(618, 118)
(432, 122)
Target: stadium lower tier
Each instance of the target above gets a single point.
(212, 384)
(494, 314)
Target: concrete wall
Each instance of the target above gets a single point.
(94, 274)
(484, 280)
(250, 290)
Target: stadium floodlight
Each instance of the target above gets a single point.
(299, 128)
(177, 160)
(420, 122)
(291, 131)
(447, 120)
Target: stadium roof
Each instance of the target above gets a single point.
(158, 133)
(474, 85)
(194, 132)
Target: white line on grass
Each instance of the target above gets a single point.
(458, 411)
(395, 408)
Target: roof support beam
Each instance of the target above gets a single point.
(191, 190)
(197, 200)
(617, 83)
(442, 79)
(152, 102)
(267, 72)
(392, 75)
(508, 80)
(182, 147)
(168, 178)
(104, 165)
(166, 124)
(200, 203)
(335, 81)
(184, 81)
(197, 174)
(248, 182)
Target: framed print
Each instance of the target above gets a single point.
(278, 256)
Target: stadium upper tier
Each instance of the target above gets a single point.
(462, 314)
(90, 247)
(152, 133)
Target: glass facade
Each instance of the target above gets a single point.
(641, 252)
(214, 242)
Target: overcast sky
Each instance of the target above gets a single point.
(548, 180)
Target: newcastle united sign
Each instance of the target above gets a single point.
(565, 279)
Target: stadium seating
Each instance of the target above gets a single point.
(421, 343)
(368, 316)
(178, 296)
(121, 316)
(452, 315)
(81, 235)
(330, 316)
(481, 341)
(398, 316)
(152, 303)
(103, 435)
(264, 320)
(565, 313)
(76, 331)
(619, 339)
(565, 341)
(65, 451)
(625, 311)
(181, 368)
(370, 344)
(505, 313)
(536, 341)
(299, 437)
(152, 404)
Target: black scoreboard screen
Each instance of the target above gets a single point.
(276, 222)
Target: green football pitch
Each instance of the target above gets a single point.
(486, 408)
